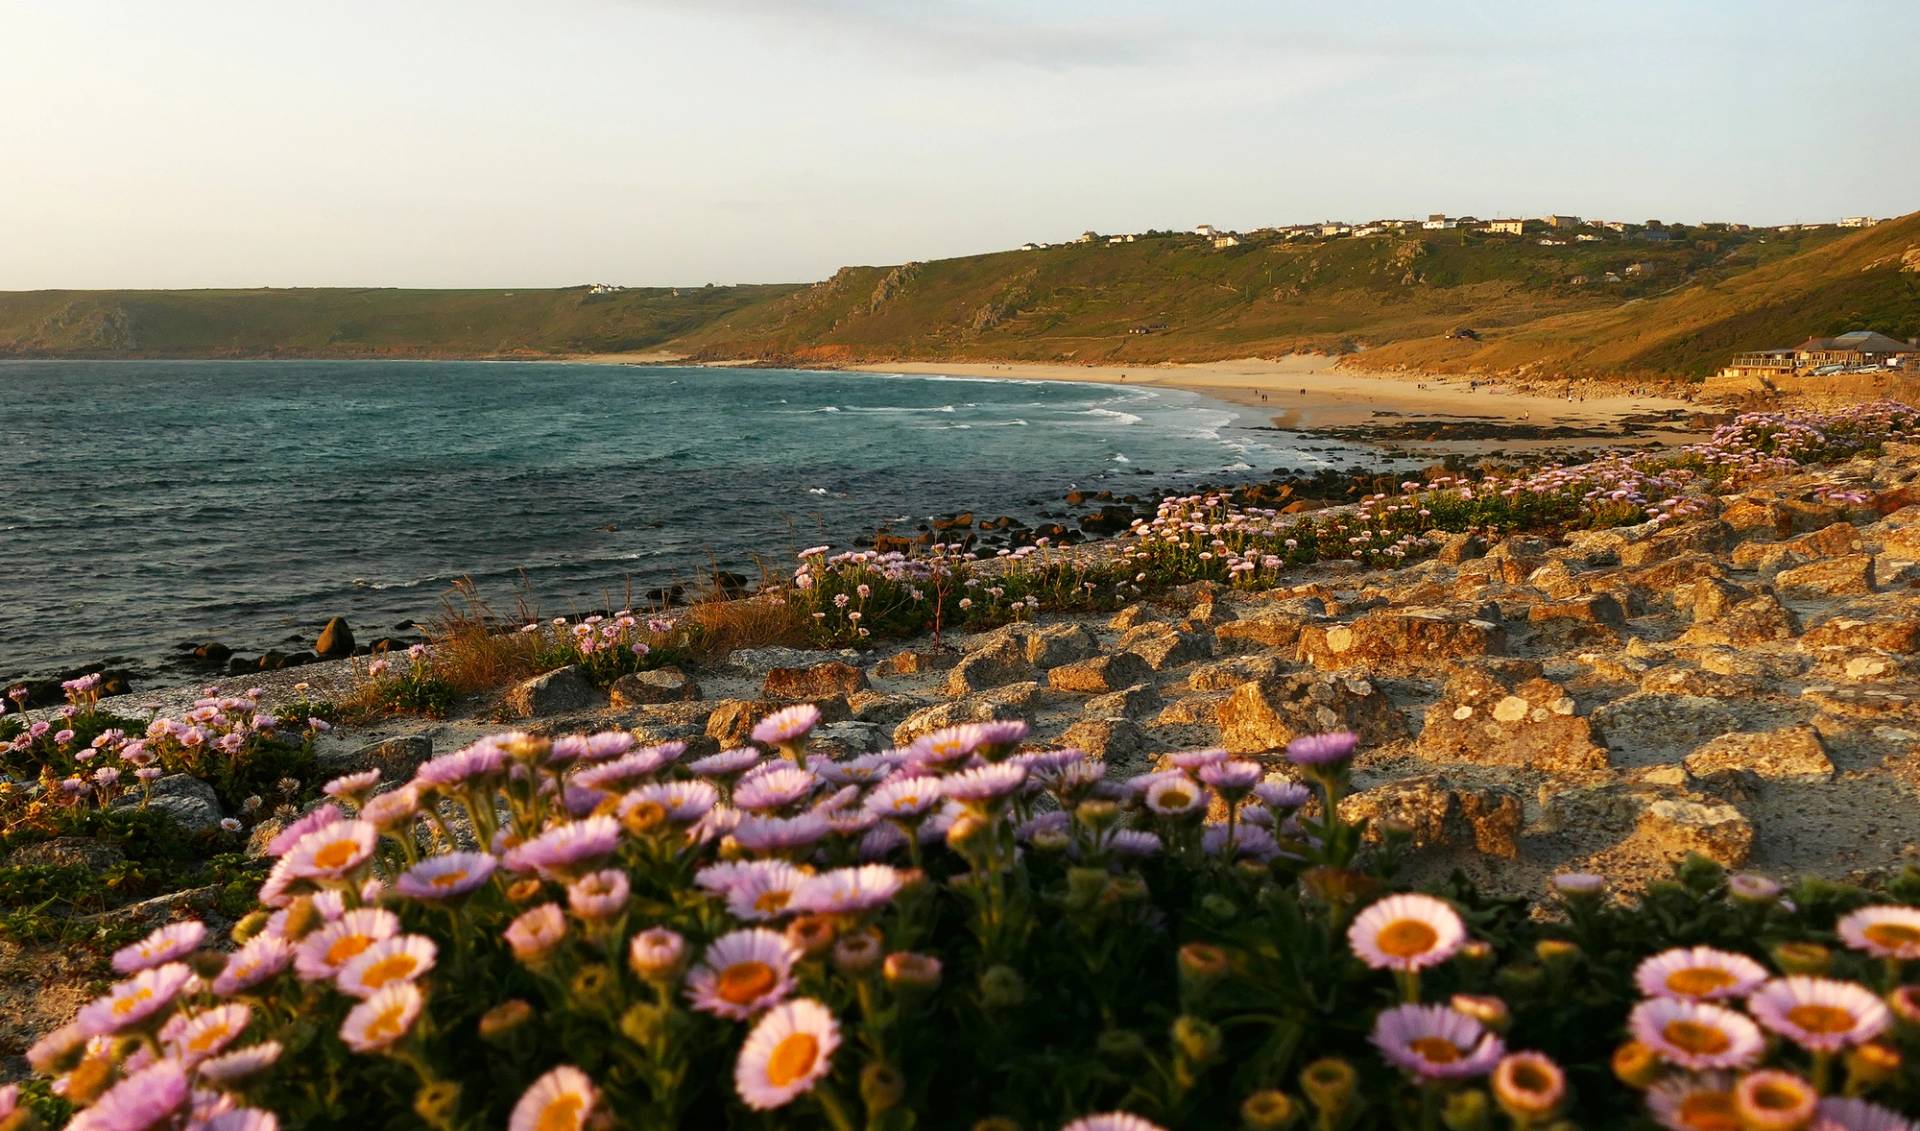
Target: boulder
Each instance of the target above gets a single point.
(558, 692)
(917, 661)
(336, 640)
(182, 798)
(1401, 640)
(1790, 752)
(1119, 740)
(1594, 608)
(1013, 701)
(1760, 619)
(1042, 646)
(1835, 541)
(1672, 828)
(999, 662)
(1443, 814)
(1225, 675)
(1193, 710)
(658, 685)
(880, 707)
(1850, 575)
(1490, 718)
(67, 851)
(1266, 714)
(815, 682)
(1262, 628)
(731, 721)
(1162, 646)
(396, 758)
(846, 739)
(1133, 702)
(1651, 727)
(1110, 672)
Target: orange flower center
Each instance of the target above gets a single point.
(450, 879)
(132, 1001)
(905, 801)
(336, 855)
(1821, 1018)
(1530, 1079)
(1699, 981)
(391, 968)
(1696, 1036)
(1709, 1111)
(792, 1059)
(1773, 1096)
(209, 1037)
(1176, 799)
(1435, 1050)
(347, 947)
(1893, 936)
(744, 982)
(1405, 938)
(387, 1025)
(563, 1114)
(771, 901)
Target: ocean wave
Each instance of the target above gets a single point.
(1124, 418)
(1121, 457)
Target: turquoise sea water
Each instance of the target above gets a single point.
(153, 503)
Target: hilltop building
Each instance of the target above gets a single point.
(1226, 239)
(1437, 222)
(1852, 352)
(1858, 222)
(1507, 227)
(1207, 230)
(1561, 223)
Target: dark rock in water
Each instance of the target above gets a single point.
(213, 653)
(1075, 498)
(387, 644)
(240, 665)
(961, 521)
(115, 683)
(665, 595)
(1108, 520)
(299, 659)
(271, 662)
(730, 584)
(336, 640)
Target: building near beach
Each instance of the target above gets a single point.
(1507, 227)
(1855, 350)
(1858, 222)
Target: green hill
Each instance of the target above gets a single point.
(358, 322)
(1609, 305)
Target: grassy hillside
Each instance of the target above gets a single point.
(1613, 307)
(1400, 295)
(353, 322)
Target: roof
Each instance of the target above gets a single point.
(1865, 341)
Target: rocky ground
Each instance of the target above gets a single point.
(1744, 684)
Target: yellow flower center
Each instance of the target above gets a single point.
(1893, 936)
(336, 855)
(792, 1059)
(744, 982)
(1821, 1018)
(771, 901)
(1709, 1111)
(387, 1024)
(347, 947)
(1530, 1078)
(209, 1037)
(1435, 1050)
(1405, 938)
(392, 968)
(905, 801)
(1699, 981)
(450, 879)
(1696, 1036)
(1774, 1095)
(1176, 799)
(132, 1001)
(563, 1114)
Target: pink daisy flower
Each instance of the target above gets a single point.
(847, 890)
(1407, 932)
(762, 889)
(382, 1019)
(401, 958)
(133, 1001)
(1819, 1014)
(1695, 1035)
(599, 895)
(173, 941)
(261, 958)
(233, 1067)
(560, 852)
(1433, 1042)
(785, 1054)
(321, 954)
(446, 876)
(787, 725)
(559, 1101)
(1700, 973)
(1884, 932)
(742, 973)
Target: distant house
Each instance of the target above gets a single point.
(1031, 246)
(1335, 229)
(1858, 222)
(1855, 349)
(1654, 235)
(1759, 363)
(1587, 237)
(1507, 227)
(1226, 239)
(1561, 223)
(604, 288)
(1369, 229)
(1615, 225)
(1549, 241)
(1611, 277)
(1438, 221)
(1087, 237)
(1207, 230)
(1128, 238)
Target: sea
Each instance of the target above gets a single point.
(146, 506)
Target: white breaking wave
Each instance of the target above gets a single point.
(1124, 418)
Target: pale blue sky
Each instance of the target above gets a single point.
(490, 143)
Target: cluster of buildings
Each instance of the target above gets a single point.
(1857, 351)
(1548, 231)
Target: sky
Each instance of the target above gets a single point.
(479, 143)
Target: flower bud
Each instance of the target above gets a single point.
(913, 976)
(1268, 1110)
(1218, 906)
(1096, 814)
(1486, 1009)
(89, 1079)
(1802, 957)
(1050, 841)
(857, 954)
(1871, 1065)
(591, 982)
(249, 925)
(523, 891)
(643, 819)
(1746, 887)
(301, 918)
(1001, 987)
(1519, 981)
(1467, 1111)
(1328, 1084)
(967, 831)
(1201, 966)
(657, 953)
(1701, 874)
(811, 935)
(1904, 1001)
(1636, 1065)
(1557, 955)
(437, 1103)
(1128, 887)
(1120, 1044)
(881, 1087)
(504, 1018)
(643, 1021)
(1197, 1040)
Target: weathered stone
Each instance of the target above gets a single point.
(1850, 575)
(1760, 619)
(754, 661)
(1709, 598)
(1133, 702)
(336, 640)
(1594, 608)
(917, 661)
(67, 851)
(1013, 701)
(1526, 723)
(730, 723)
(1046, 645)
(1443, 815)
(1684, 679)
(1390, 640)
(1225, 675)
(659, 685)
(1649, 727)
(1670, 573)
(879, 707)
(1162, 646)
(1265, 627)
(1790, 752)
(818, 681)
(182, 798)
(555, 693)
(1747, 515)
(1109, 672)
(1129, 617)
(396, 758)
(1898, 634)
(1859, 702)
(845, 739)
(1118, 740)
(1457, 548)
(1193, 710)
(1000, 662)
(1837, 540)
(1675, 827)
(1554, 579)
(1266, 714)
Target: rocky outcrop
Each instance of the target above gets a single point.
(658, 685)
(1264, 715)
(558, 692)
(1400, 640)
(1508, 715)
